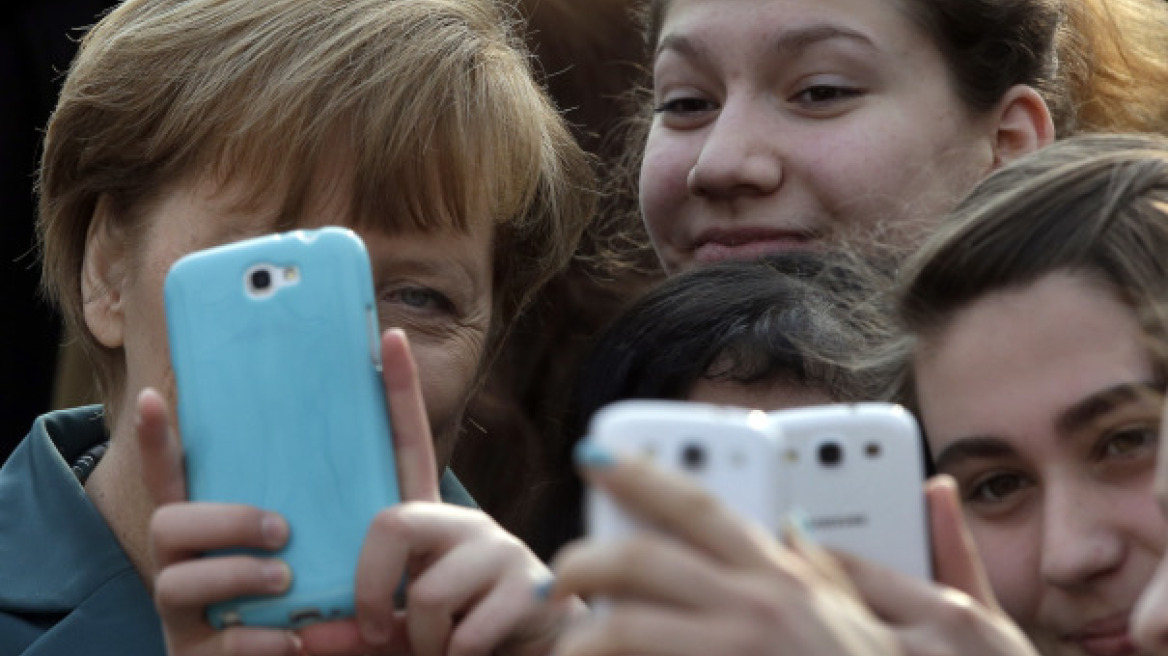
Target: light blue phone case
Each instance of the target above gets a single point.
(281, 404)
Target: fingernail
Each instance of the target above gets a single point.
(591, 455)
(795, 527)
(543, 589)
(374, 634)
(296, 644)
(278, 575)
(274, 530)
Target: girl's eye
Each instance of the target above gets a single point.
(822, 94)
(684, 106)
(996, 488)
(1129, 443)
(420, 298)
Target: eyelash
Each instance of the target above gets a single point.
(983, 485)
(689, 106)
(676, 106)
(436, 301)
(838, 93)
(1150, 439)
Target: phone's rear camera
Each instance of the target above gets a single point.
(261, 279)
(830, 454)
(693, 457)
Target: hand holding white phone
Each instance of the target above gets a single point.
(851, 474)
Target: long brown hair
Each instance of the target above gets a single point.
(1095, 206)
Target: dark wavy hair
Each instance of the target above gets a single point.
(772, 320)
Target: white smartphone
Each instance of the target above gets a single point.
(732, 452)
(855, 473)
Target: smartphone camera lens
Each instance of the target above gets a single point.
(830, 454)
(693, 457)
(261, 280)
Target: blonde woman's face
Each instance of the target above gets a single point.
(437, 286)
(781, 123)
(1043, 403)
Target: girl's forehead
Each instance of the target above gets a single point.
(790, 27)
(1015, 364)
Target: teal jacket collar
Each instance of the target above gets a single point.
(66, 586)
(57, 548)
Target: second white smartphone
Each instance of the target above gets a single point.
(855, 474)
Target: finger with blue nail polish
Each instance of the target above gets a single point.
(593, 456)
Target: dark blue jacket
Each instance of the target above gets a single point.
(66, 586)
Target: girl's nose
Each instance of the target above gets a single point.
(739, 157)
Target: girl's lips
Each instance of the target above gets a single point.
(749, 244)
(1116, 644)
(1106, 638)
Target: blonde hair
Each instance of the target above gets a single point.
(1115, 63)
(433, 100)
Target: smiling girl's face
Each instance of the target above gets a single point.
(1044, 404)
(779, 123)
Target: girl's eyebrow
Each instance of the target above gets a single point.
(1086, 411)
(973, 447)
(682, 45)
(1071, 420)
(790, 42)
(794, 41)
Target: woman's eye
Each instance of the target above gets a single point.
(420, 298)
(822, 94)
(996, 488)
(684, 106)
(1130, 442)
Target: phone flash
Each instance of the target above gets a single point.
(791, 455)
(291, 274)
(872, 450)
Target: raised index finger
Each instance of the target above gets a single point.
(955, 557)
(412, 441)
(159, 450)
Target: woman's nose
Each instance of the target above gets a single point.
(739, 156)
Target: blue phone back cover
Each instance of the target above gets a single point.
(281, 406)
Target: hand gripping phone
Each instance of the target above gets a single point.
(731, 452)
(855, 474)
(275, 347)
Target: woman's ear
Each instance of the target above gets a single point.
(1023, 126)
(103, 275)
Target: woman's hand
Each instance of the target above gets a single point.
(185, 583)
(472, 586)
(707, 582)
